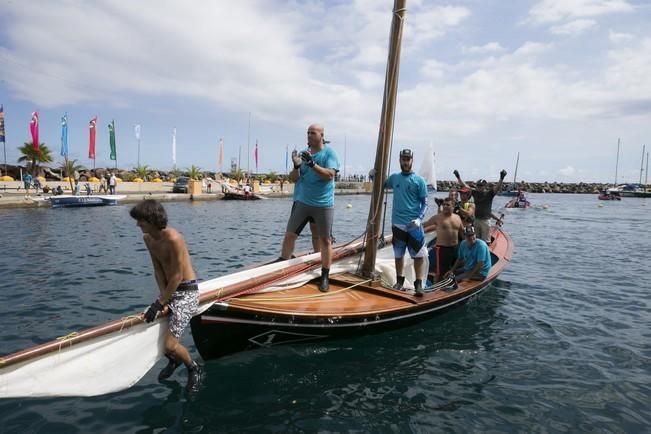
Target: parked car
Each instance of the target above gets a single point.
(181, 185)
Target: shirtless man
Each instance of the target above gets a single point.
(179, 293)
(449, 230)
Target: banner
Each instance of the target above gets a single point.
(174, 147)
(221, 159)
(64, 135)
(255, 154)
(111, 127)
(2, 124)
(92, 131)
(33, 128)
(137, 131)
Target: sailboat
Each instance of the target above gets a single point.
(639, 189)
(428, 170)
(512, 189)
(612, 193)
(274, 304)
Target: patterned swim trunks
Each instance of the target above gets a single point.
(183, 305)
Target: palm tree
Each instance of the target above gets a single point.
(272, 176)
(69, 167)
(29, 154)
(194, 172)
(237, 174)
(142, 172)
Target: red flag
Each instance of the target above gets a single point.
(92, 128)
(256, 155)
(33, 128)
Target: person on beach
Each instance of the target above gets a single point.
(409, 206)
(474, 258)
(314, 173)
(449, 230)
(177, 285)
(111, 183)
(102, 185)
(27, 183)
(483, 197)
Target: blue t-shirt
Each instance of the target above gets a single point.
(409, 190)
(471, 256)
(310, 188)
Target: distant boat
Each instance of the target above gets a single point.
(70, 201)
(512, 189)
(237, 195)
(639, 189)
(612, 193)
(428, 170)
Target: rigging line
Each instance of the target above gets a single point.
(303, 297)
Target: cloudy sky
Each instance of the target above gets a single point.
(559, 81)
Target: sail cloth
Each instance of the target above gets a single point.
(428, 170)
(118, 360)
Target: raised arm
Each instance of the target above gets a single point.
(456, 174)
(498, 187)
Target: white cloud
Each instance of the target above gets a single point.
(568, 171)
(489, 48)
(617, 37)
(575, 27)
(552, 11)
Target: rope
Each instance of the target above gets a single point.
(128, 318)
(304, 297)
(63, 339)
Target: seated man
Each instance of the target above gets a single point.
(449, 230)
(474, 258)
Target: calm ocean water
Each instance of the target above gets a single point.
(560, 343)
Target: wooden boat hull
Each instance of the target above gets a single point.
(352, 307)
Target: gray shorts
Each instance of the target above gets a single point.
(302, 214)
(183, 305)
(483, 229)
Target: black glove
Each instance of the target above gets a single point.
(438, 201)
(152, 310)
(307, 157)
(456, 173)
(502, 174)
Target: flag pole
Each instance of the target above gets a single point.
(248, 148)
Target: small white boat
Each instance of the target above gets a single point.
(69, 201)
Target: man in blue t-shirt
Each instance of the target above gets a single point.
(409, 206)
(474, 257)
(314, 198)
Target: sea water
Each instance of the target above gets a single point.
(561, 342)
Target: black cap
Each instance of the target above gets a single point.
(406, 153)
(468, 231)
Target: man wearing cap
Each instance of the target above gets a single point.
(314, 172)
(483, 196)
(465, 209)
(409, 206)
(474, 258)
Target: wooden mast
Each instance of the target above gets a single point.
(384, 138)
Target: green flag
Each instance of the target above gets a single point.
(111, 127)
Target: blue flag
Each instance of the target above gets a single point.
(64, 135)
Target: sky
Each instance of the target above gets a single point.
(558, 81)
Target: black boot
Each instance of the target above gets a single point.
(195, 378)
(324, 286)
(168, 370)
(400, 281)
(418, 286)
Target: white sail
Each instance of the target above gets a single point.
(427, 168)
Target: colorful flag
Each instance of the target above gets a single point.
(174, 147)
(64, 135)
(92, 130)
(255, 154)
(2, 124)
(33, 128)
(111, 127)
(221, 159)
(137, 131)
